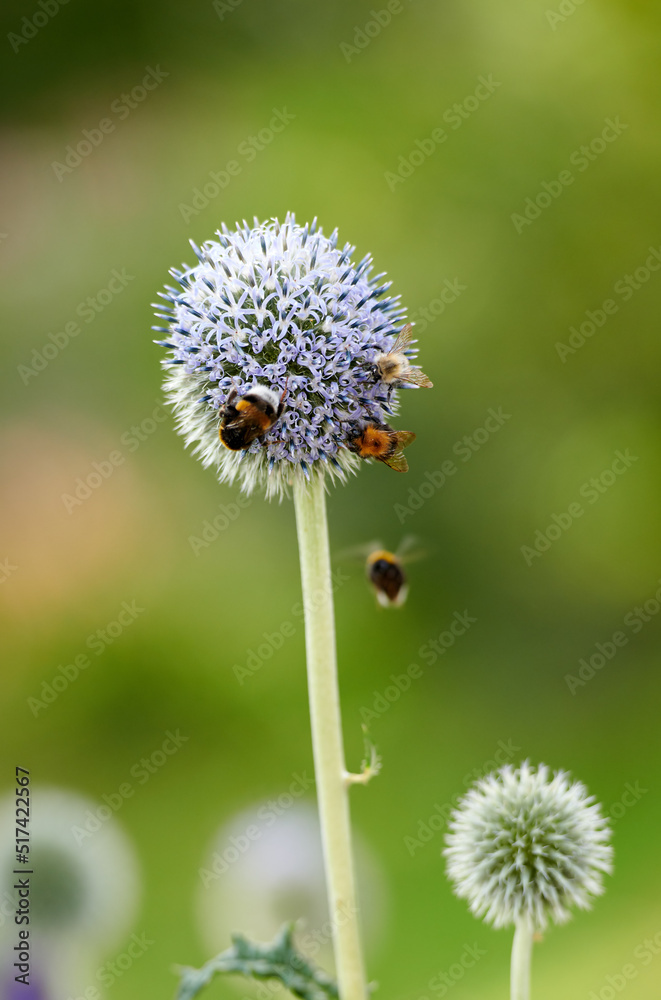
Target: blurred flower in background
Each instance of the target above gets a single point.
(84, 894)
(265, 867)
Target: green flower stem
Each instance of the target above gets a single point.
(521, 957)
(326, 720)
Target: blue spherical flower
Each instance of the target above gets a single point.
(281, 307)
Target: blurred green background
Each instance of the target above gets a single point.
(67, 572)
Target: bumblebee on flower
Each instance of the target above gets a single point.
(276, 342)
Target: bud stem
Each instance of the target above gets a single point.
(521, 957)
(326, 721)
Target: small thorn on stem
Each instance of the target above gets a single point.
(369, 768)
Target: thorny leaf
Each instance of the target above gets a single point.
(277, 960)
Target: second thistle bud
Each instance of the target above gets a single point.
(527, 845)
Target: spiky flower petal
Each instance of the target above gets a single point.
(278, 305)
(527, 845)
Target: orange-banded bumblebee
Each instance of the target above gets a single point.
(248, 417)
(386, 574)
(380, 441)
(394, 368)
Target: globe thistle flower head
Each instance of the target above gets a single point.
(83, 894)
(526, 845)
(88, 885)
(279, 307)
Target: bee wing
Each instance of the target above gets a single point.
(238, 421)
(404, 338)
(406, 544)
(397, 461)
(414, 556)
(409, 549)
(417, 378)
(359, 553)
(404, 438)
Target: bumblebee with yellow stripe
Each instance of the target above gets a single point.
(385, 569)
(381, 442)
(386, 574)
(395, 369)
(246, 418)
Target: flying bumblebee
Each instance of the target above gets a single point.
(380, 441)
(394, 368)
(385, 570)
(386, 574)
(250, 416)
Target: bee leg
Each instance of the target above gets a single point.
(231, 395)
(281, 406)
